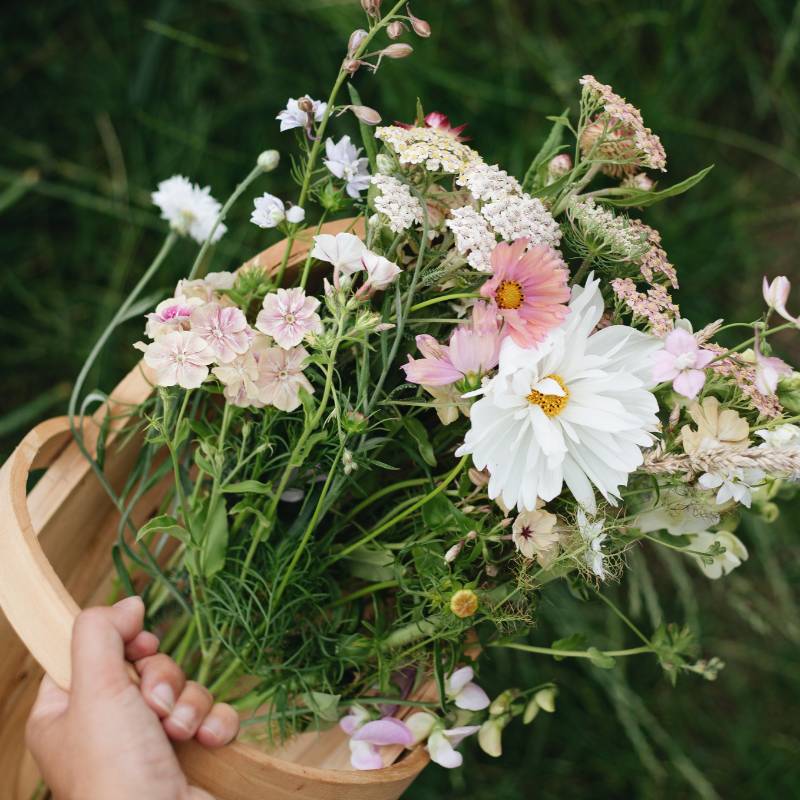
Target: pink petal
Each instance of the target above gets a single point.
(689, 383)
(704, 358)
(679, 341)
(364, 756)
(664, 366)
(430, 372)
(384, 731)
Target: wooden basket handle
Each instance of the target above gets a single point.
(32, 596)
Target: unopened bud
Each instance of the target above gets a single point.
(531, 710)
(452, 554)
(559, 165)
(367, 115)
(306, 104)
(492, 570)
(546, 699)
(471, 536)
(421, 28)
(640, 181)
(464, 603)
(502, 702)
(352, 65)
(356, 37)
(397, 51)
(372, 7)
(395, 30)
(490, 737)
(268, 160)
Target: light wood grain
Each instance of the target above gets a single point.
(55, 556)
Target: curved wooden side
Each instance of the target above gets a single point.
(65, 503)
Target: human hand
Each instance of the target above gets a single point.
(108, 739)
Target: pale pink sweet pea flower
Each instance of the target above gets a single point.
(179, 358)
(529, 290)
(280, 377)
(381, 273)
(357, 717)
(460, 688)
(441, 741)
(474, 349)
(683, 362)
(288, 315)
(344, 251)
(776, 294)
(223, 329)
(769, 370)
(366, 740)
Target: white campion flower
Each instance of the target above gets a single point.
(343, 162)
(344, 251)
(179, 358)
(735, 484)
(575, 409)
(268, 211)
(381, 273)
(591, 532)
(189, 208)
(295, 214)
(295, 117)
(735, 552)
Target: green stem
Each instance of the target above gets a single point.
(434, 300)
(549, 651)
(372, 588)
(237, 193)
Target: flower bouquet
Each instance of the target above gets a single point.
(378, 458)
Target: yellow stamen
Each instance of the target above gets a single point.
(509, 295)
(551, 404)
(464, 603)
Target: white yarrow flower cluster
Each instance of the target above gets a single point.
(396, 203)
(522, 216)
(488, 182)
(436, 151)
(189, 208)
(473, 237)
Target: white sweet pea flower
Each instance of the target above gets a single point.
(442, 744)
(678, 512)
(344, 251)
(463, 692)
(343, 162)
(735, 552)
(776, 293)
(780, 437)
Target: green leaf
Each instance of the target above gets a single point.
(640, 199)
(215, 540)
(164, 523)
(371, 563)
(367, 133)
(576, 641)
(324, 705)
(420, 435)
(600, 660)
(248, 487)
(550, 148)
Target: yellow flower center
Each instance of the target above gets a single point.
(509, 295)
(464, 603)
(551, 404)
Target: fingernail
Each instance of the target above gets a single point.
(128, 602)
(183, 717)
(214, 728)
(164, 697)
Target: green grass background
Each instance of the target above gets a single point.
(102, 100)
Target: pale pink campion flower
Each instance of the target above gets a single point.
(529, 290)
(466, 694)
(769, 370)
(280, 377)
(683, 362)
(381, 273)
(171, 314)
(179, 358)
(366, 740)
(288, 315)
(344, 251)
(239, 379)
(223, 329)
(776, 293)
(474, 350)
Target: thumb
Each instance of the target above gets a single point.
(98, 647)
(45, 718)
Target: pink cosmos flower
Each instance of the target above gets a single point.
(171, 314)
(529, 289)
(683, 362)
(280, 377)
(224, 330)
(776, 294)
(474, 349)
(179, 358)
(288, 315)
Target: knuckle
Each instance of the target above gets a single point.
(200, 690)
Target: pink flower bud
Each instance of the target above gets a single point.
(367, 115)
(352, 65)
(559, 165)
(776, 294)
(397, 51)
(356, 37)
(372, 7)
(421, 28)
(452, 554)
(395, 29)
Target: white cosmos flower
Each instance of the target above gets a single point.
(575, 409)
(189, 209)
